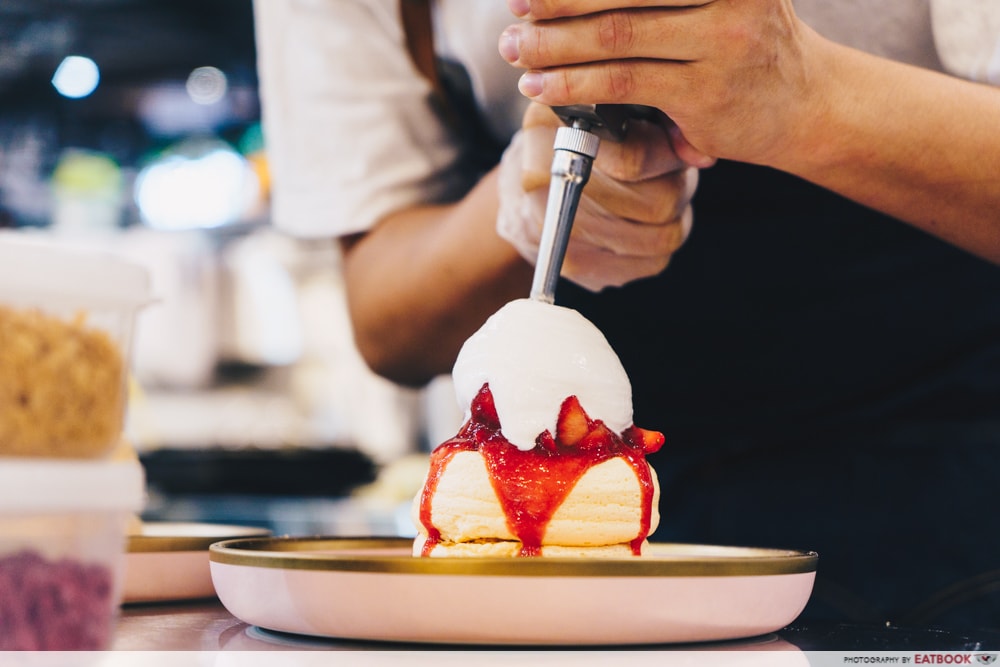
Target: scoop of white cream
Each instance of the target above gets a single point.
(534, 355)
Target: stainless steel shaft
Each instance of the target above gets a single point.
(574, 152)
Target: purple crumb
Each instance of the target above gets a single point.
(45, 605)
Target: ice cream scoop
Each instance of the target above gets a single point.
(574, 151)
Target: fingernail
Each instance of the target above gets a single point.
(519, 7)
(509, 44)
(530, 84)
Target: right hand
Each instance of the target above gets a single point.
(742, 79)
(634, 213)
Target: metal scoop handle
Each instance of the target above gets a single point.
(574, 152)
(575, 149)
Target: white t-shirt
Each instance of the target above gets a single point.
(351, 136)
(349, 130)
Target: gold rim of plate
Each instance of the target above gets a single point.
(173, 537)
(394, 555)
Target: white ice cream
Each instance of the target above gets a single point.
(534, 355)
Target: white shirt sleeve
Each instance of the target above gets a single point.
(349, 129)
(967, 36)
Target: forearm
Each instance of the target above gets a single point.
(425, 279)
(750, 82)
(921, 146)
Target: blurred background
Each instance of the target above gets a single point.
(134, 125)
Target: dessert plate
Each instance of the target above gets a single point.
(169, 561)
(374, 589)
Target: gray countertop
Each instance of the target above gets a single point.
(206, 627)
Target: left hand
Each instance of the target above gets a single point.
(634, 213)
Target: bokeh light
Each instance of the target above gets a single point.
(206, 85)
(76, 77)
(198, 184)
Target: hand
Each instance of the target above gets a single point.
(737, 77)
(634, 213)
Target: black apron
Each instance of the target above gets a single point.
(827, 378)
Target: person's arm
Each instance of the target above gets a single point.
(424, 279)
(357, 152)
(921, 146)
(749, 81)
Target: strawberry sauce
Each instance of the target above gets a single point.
(531, 485)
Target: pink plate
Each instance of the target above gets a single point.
(374, 589)
(169, 561)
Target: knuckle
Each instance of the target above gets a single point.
(540, 43)
(623, 163)
(661, 211)
(561, 86)
(633, 166)
(663, 239)
(660, 246)
(621, 83)
(616, 32)
(667, 201)
(533, 45)
(666, 211)
(674, 237)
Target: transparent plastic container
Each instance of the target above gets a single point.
(67, 316)
(63, 536)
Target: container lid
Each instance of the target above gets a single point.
(46, 485)
(30, 264)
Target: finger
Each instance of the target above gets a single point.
(679, 33)
(646, 152)
(519, 216)
(536, 145)
(653, 201)
(643, 154)
(597, 227)
(611, 82)
(540, 115)
(553, 9)
(686, 152)
(595, 269)
(652, 147)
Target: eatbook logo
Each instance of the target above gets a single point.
(986, 658)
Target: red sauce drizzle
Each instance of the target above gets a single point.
(531, 485)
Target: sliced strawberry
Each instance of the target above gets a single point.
(599, 437)
(546, 441)
(648, 441)
(484, 410)
(573, 423)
